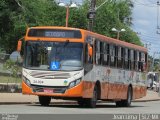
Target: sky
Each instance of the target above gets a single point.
(145, 14)
(145, 23)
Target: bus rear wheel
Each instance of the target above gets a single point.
(44, 100)
(127, 102)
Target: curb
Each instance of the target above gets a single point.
(146, 100)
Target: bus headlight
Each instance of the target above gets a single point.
(74, 83)
(26, 81)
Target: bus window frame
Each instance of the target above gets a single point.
(115, 56)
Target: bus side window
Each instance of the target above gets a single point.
(97, 44)
(129, 59)
(146, 64)
(122, 57)
(141, 62)
(101, 52)
(116, 56)
(126, 58)
(112, 54)
(108, 54)
(105, 57)
(119, 57)
(135, 60)
(132, 59)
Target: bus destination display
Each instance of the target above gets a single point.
(53, 33)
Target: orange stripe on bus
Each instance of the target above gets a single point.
(139, 92)
(85, 90)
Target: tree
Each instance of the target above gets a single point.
(114, 14)
(17, 15)
(6, 24)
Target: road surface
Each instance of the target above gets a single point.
(102, 108)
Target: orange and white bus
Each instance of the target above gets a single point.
(76, 64)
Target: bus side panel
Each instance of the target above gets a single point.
(104, 90)
(117, 91)
(88, 87)
(139, 92)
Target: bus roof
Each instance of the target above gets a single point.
(118, 42)
(54, 27)
(96, 35)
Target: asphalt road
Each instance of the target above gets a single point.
(105, 108)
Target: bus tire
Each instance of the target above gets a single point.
(127, 102)
(81, 102)
(44, 100)
(91, 102)
(118, 103)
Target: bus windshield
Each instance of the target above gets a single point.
(65, 56)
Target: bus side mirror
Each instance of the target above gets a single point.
(19, 45)
(90, 50)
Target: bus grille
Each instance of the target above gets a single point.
(58, 89)
(50, 75)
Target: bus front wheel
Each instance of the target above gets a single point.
(81, 102)
(93, 101)
(44, 100)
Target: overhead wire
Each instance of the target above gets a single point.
(151, 1)
(153, 44)
(144, 4)
(148, 36)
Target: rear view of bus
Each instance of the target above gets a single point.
(53, 63)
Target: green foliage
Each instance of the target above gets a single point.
(17, 15)
(12, 67)
(114, 15)
(8, 79)
(10, 27)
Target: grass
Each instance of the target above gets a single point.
(8, 79)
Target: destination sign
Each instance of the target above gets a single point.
(58, 34)
(54, 33)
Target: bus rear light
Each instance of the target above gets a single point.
(74, 83)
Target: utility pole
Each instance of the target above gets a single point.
(158, 4)
(91, 15)
(147, 45)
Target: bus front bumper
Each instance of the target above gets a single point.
(76, 91)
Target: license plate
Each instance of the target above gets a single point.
(48, 90)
